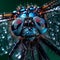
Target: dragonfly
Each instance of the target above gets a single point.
(32, 28)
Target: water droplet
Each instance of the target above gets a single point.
(2, 48)
(19, 56)
(58, 23)
(10, 44)
(52, 34)
(3, 37)
(3, 27)
(5, 32)
(50, 22)
(16, 55)
(6, 52)
(53, 38)
(57, 30)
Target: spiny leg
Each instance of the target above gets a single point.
(14, 48)
(23, 57)
(23, 51)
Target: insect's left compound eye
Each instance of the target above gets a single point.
(17, 23)
(15, 26)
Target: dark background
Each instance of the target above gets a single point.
(10, 5)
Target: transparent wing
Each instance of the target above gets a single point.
(53, 25)
(6, 40)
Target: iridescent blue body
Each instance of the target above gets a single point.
(30, 27)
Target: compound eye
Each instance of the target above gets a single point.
(15, 26)
(37, 19)
(19, 21)
(16, 23)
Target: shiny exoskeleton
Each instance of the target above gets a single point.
(32, 27)
(29, 27)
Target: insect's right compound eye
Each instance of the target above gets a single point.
(37, 20)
